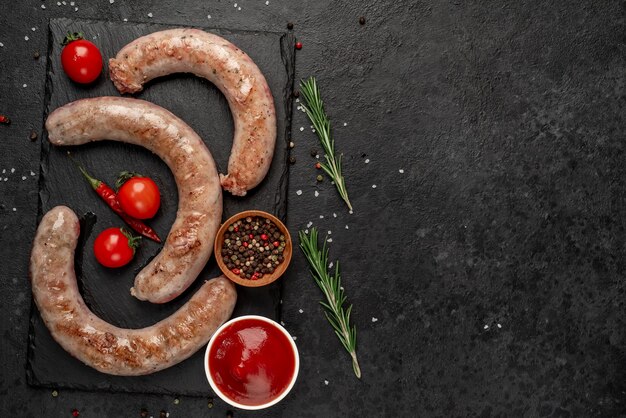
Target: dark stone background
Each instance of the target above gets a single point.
(508, 121)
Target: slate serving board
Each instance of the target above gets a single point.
(106, 291)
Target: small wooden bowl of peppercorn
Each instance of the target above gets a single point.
(253, 248)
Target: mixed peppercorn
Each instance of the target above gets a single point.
(253, 247)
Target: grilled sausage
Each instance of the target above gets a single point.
(190, 241)
(107, 348)
(231, 70)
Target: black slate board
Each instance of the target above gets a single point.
(204, 108)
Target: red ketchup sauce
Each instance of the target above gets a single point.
(252, 362)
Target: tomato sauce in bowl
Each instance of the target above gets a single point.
(251, 362)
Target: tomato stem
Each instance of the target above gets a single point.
(71, 37)
(133, 241)
(124, 176)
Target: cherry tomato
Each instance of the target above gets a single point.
(81, 59)
(115, 247)
(139, 197)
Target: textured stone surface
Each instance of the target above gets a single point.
(508, 121)
(105, 291)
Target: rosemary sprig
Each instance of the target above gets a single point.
(314, 107)
(338, 317)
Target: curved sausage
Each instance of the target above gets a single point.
(107, 348)
(190, 241)
(231, 70)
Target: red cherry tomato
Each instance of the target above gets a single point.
(139, 197)
(81, 59)
(115, 247)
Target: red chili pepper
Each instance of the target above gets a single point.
(5, 120)
(318, 165)
(108, 195)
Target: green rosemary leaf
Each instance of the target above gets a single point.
(330, 285)
(314, 108)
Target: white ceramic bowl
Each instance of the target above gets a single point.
(222, 395)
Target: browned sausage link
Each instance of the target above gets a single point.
(107, 348)
(190, 241)
(231, 70)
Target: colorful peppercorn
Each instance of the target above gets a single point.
(256, 250)
(298, 45)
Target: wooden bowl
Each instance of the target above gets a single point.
(267, 278)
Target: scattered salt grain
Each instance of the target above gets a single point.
(33, 29)
(72, 3)
(23, 177)
(75, 9)
(306, 231)
(32, 173)
(401, 171)
(351, 212)
(208, 16)
(43, 6)
(298, 192)
(282, 323)
(239, 8)
(373, 186)
(111, 1)
(301, 128)
(334, 215)
(374, 319)
(326, 382)
(125, 20)
(267, 3)
(321, 216)
(297, 100)
(14, 209)
(300, 310)
(64, 3)
(1, 45)
(24, 85)
(499, 326)
(317, 193)
(26, 38)
(150, 14)
(58, 3)
(486, 327)
(12, 170)
(293, 337)
(345, 124)
(4, 170)
(367, 161)
(6, 178)
(347, 227)
(330, 232)
(309, 224)
(329, 240)
(235, 5)
(330, 265)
